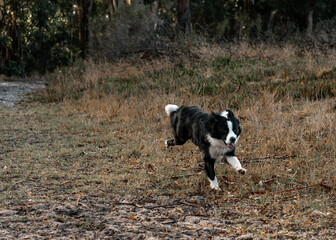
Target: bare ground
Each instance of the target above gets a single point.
(13, 91)
(50, 189)
(131, 217)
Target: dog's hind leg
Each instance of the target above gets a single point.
(170, 142)
(175, 141)
(210, 170)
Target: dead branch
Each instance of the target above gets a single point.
(183, 176)
(259, 159)
(293, 189)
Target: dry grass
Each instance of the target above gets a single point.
(109, 139)
(302, 130)
(269, 87)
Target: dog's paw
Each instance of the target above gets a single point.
(216, 189)
(242, 171)
(214, 184)
(169, 142)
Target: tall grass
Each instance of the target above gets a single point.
(236, 73)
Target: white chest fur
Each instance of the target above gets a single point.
(217, 148)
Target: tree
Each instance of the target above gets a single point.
(183, 15)
(309, 16)
(86, 7)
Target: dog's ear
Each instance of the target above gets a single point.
(228, 114)
(215, 116)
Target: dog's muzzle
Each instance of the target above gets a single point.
(231, 146)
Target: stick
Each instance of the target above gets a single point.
(258, 159)
(294, 189)
(183, 176)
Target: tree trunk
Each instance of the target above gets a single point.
(13, 53)
(269, 31)
(21, 43)
(155, 10)
(114, 5)
(111, 5)
(310, 22)
(183, 16)
(309, 18)
(84, 27)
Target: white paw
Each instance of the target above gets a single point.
(216, 188)
(214, 184)
(166, 143)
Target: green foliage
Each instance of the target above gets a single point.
(35, 36)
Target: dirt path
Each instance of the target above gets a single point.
(122, 218)
(11, 91)
(160, 217)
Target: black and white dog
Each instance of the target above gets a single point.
(216, 134)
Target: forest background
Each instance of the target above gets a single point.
(37, 36)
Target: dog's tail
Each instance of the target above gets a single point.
(171, 108)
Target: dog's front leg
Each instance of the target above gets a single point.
(234, 162)
(210, 170)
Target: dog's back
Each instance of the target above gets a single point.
(186, 123)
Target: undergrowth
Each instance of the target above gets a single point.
(237, 77)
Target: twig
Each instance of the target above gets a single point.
(78, 198)
(327, 187)
(126, 203)
(170, 222)
(293, 189)
(187, 203)
(166, 205)
(259, 159)
(149, 207)
(179, 202)
(183, 176)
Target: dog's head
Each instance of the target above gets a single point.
(226, 126)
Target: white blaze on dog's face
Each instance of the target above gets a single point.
(233, 130)
(231, 137)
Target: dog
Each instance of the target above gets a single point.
(216, 134)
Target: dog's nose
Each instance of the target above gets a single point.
(232, 139)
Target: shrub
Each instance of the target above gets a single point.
(129, 30)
